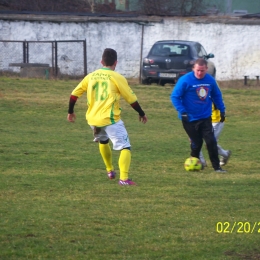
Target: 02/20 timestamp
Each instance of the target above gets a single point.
(238, 227)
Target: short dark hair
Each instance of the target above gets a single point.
(109, 57)
(201, 62)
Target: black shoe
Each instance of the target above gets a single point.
(220, 170)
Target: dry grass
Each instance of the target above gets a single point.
(57, 203)
(239, 84)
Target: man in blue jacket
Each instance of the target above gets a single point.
(192, 97)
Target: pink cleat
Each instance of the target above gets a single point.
(111, 175)
(126, 182)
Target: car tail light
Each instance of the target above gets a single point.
(189, 62)
(152, 72)
(148, 61)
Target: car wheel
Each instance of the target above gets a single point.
(146, 82)
(162, 83)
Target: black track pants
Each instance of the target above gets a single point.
(198, 131)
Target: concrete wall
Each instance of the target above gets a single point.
(236, 46)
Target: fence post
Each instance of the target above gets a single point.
(24, 55)
(85, 56)
(52, 58)
(141, 55)
(257, 80)
(25, 52)
(56, 58)
(245, 80)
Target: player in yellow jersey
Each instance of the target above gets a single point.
(104, 87)
(218, 125)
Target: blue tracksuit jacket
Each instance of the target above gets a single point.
(194, 96)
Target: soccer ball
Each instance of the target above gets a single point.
(192, 164)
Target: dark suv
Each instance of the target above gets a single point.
(167, 61)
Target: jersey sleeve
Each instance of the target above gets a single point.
(176, 96)
(125, 91)
(216, 96)
(81, 87)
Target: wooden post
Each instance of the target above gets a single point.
(245, 80)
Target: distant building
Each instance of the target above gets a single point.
(236, 7)
(233, 6)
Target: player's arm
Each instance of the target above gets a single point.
(176, 96)
(76, 93)
(142, 117)
(218, 101)
(217, 98)
(130, 97)
(71, 115)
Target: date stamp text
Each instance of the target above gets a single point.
(239, 227)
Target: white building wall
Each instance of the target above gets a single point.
(236, 47)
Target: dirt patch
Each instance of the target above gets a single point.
(255, 255)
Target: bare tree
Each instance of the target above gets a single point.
(148, 7)
(177, 7)
(155, 7)
(191, 7)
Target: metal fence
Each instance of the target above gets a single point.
(63, 57)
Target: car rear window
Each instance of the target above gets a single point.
(200, 50)
(170, 50)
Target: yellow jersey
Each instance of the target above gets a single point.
(215, 116)
(104, 87)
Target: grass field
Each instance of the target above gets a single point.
(56, 201)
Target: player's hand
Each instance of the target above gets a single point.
(143, 119)
(222, 117)
(184, 117)
(71, 117)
